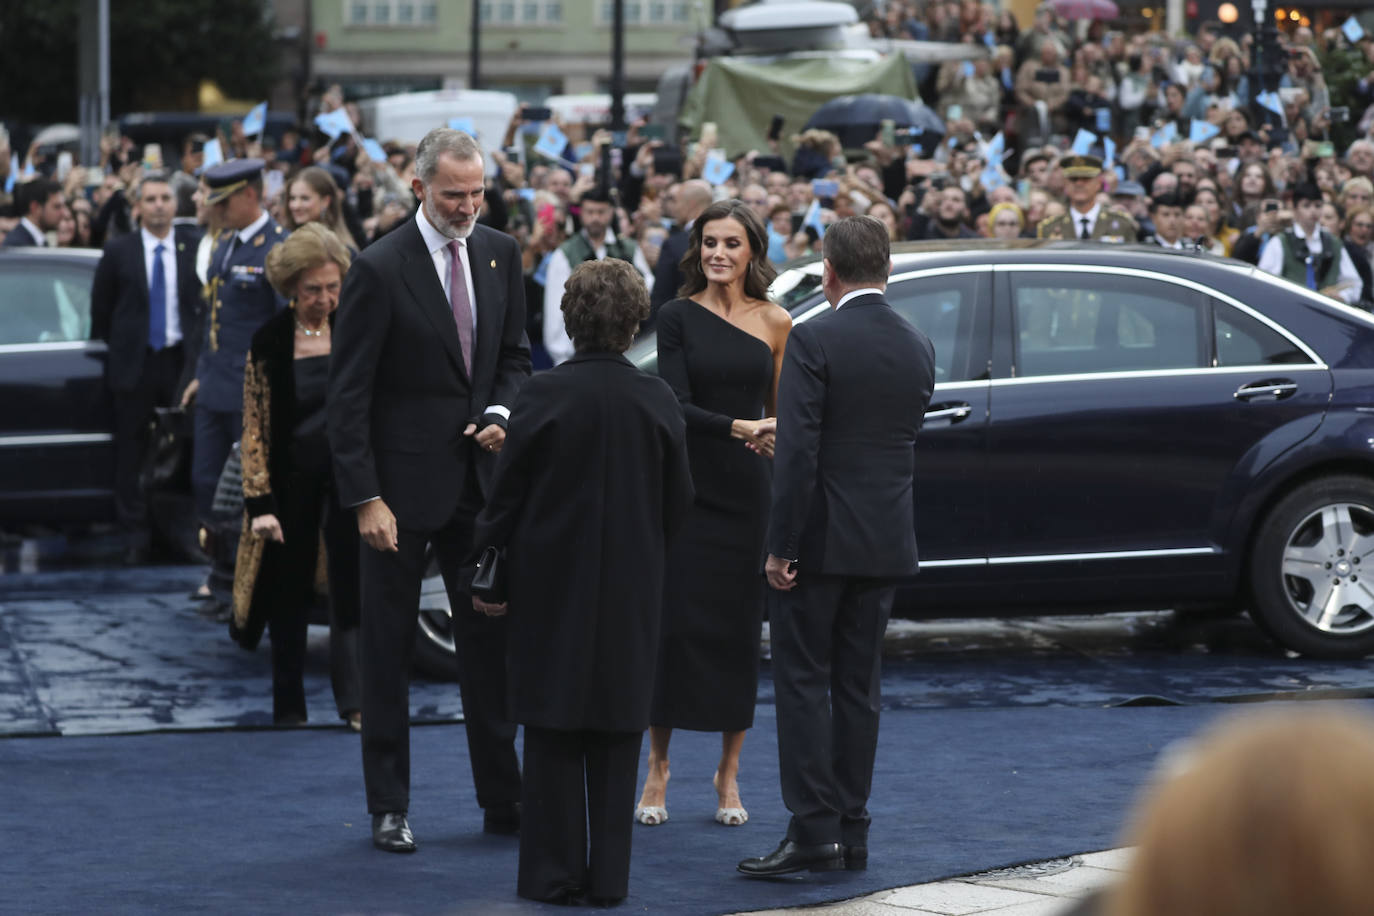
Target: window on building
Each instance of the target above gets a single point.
(391, 13)
(647, 12)
(522, 12)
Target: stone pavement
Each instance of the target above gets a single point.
(1040, 889)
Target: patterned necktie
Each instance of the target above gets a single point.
(1084, 234)
(157, 301)
(458, 301)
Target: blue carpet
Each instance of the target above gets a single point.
(1002, 743)
(273, 822)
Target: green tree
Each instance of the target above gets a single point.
(160, 50)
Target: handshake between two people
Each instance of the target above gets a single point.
(759, 436)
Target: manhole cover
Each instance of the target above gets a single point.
(1033, 870)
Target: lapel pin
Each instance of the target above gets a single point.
(257, 242)
(493, 263)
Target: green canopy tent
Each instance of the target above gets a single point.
(742, 96)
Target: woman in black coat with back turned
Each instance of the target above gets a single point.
(592, 480)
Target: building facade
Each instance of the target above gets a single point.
(533, 48)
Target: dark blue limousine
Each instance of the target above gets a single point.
(1121, 428)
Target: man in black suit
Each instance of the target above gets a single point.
(689, 200)
(144, 301)
(854, 388)
(40, 206)
(429, 353)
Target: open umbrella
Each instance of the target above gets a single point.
(1084, 9)
(855, 119)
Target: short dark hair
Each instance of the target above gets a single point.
(33, 192)
(1165, 200)
(1307, 191)
(597, 194)
(858, 250)
(603, 304)
(761, 271)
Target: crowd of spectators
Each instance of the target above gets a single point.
(1012, 115)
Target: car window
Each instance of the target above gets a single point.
(44, 303)
(944, 307)
(1244, 341)
(1075, 323)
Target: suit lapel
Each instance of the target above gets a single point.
(489, 304)
(417, 272)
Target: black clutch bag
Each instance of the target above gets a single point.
(489, 581)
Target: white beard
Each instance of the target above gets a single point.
(446, 228)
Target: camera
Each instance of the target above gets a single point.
(1338, 115)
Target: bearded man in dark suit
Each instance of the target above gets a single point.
(429, 353)
(853, 392)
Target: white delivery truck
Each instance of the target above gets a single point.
(410, 115)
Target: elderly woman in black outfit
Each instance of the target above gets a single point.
(720, 346)
(591, 481)
(288, 497)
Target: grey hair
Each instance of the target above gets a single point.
(1359, 144)
(150, 178)
(440, 141)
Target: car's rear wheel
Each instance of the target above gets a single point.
(1312, 569)
(434, 652)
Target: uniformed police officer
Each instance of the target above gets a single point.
(1087, 219)
(238, 301)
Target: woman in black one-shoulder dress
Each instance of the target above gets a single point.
(720, 347)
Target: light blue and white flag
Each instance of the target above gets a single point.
(334, 124)
(213, 154)
(255, 122)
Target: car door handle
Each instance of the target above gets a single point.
(1275, 388)
(953, 412)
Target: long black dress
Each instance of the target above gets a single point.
(708, 664)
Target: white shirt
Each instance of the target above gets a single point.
(39, 238)
(556, 339)
(1090, 216)
(169, 270)
(856, 293)
(246, 234)
(439, 253)
(437, 245)
(1271, 261)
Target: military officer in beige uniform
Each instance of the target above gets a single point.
(1087, 218)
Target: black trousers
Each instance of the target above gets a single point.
(391, 598)
(577, 815)
(306, 507)
(133, 412)
(827, 637)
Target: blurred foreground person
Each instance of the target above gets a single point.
(592, 480)
(288, 491)
(1270, 815)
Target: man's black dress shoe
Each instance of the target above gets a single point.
(502, 819)
(855, 857)
(391, 833)
(790, 857)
